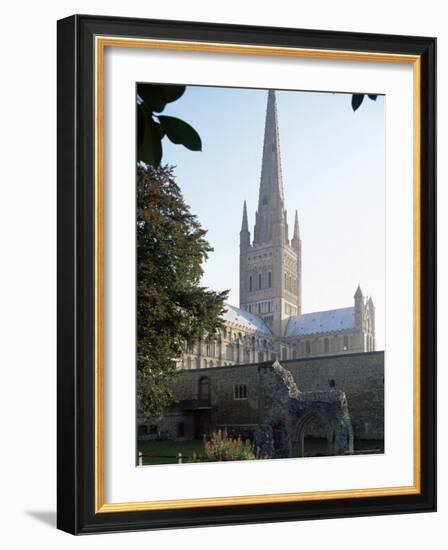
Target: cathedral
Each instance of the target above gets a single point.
(269, 323)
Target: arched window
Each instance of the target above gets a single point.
(229, 352)
(204, 389)
(250, 283)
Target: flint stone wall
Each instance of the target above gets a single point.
(360, 376)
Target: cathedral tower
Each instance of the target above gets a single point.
(270, 267)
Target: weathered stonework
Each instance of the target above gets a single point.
(285, 412)
(324, 380)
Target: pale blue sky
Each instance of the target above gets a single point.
(333, 162)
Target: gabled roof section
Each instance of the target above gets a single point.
(332, 320)
(248, 320)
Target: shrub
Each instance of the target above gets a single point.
(221, 447)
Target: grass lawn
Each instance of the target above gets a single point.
(318, 447)
(165, 452)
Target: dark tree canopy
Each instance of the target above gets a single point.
(172, 308)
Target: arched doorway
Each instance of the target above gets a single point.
(313, 436)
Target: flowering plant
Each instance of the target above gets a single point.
(221, 447)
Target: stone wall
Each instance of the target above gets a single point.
(360, 376)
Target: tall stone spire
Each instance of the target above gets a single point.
(270, 219)
(271, 267)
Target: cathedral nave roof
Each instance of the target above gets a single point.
(332, 320)
(248, 320)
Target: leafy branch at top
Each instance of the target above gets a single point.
(152, 127)
(357, 99)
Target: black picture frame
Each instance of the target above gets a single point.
(76, 479)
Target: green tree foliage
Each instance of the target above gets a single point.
(153, 127)
(172, 308)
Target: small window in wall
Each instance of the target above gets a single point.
(153, 429)
(180, 429)
(250, 283)
(326, 345)
(269, 279)
(259, 280)
(307, 348)
(240, 391)
(332, 383)
(345, 343)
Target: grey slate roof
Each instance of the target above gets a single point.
(321, 321)
(249, 320)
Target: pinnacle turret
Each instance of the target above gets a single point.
(296, 234)
(244, 224)
(244, 233)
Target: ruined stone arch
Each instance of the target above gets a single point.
(298, 442)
